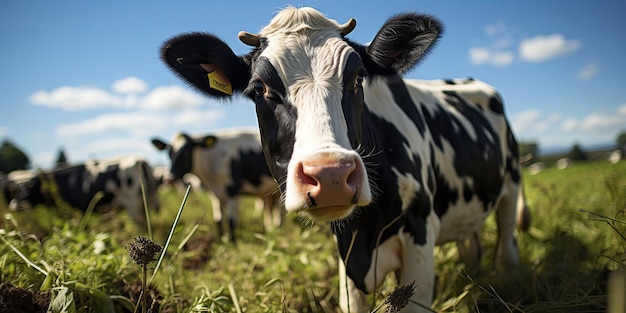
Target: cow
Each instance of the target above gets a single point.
(229, 163)
(396, 166)
(119, 180)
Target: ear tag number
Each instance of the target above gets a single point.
(219, 81)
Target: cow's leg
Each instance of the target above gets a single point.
(471, 250)
(216, 206)
(272, 215)
(351, 299)
(506, 214)
(233, 209)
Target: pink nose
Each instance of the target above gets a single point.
(329, 181)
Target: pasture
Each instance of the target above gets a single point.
(59, 258)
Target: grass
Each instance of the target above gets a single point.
(80, 262)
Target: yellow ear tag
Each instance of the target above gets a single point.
(209, 141)
(219, 81)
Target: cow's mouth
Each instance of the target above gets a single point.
(329, 213)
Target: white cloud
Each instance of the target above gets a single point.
(622, 110)
(524, 121)
(495, 29)
(130, 85)
(193, 118)
(480, 56)
(569, 124)
(3, 131)
(596, 122)
(171, 97)
(70, 98)
(541, 48)
(132, 122)
(139, 123)
(587, 71)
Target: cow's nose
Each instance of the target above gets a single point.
(329, 182)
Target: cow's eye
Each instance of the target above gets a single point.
(358, 83)
(359, 80)
(259, 89)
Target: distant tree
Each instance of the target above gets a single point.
(620, 141)
(528, 148)
(61, 160)
(12, 158)
(577, 153)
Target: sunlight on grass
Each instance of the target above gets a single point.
(79, 261)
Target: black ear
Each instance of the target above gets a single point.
(403, 41)
(194, 56)
(159, 144)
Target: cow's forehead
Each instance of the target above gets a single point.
(292, 20)
(304, 46)
(178, 141)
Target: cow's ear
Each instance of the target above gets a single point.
(160, 145)
(208, 141)
(403, 41)
(206, 63)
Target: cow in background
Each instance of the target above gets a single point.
(119, 179)
(229, 163)
(395, 168)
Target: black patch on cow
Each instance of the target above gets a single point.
(75, 185)
(264, 71)
(512, 161)
(352, 102)
(495, 105)
(370, 221)
(250, 167)
(478, 160)
(181, 158)
(276, 118)
(403, 100)
(468, 193)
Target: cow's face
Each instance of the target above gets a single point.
(27, 193)
(180, 150)
(307, 83)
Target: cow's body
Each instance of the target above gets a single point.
(229, 163)
(118, 179)
(397, 166)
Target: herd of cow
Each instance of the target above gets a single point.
(228, 163)
(395, 166)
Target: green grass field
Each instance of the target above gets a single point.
(57, 258)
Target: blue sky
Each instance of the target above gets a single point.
(85, 76)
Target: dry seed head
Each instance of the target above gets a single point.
(399, 298)
(143, 250)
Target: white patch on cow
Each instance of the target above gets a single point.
(462, 220)
(412, 262)
(127, 194)
(213, 164)
(408, 187)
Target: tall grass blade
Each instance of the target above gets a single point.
(169, 237)
(90, 208)
(27, 260)
(145, 202)
(233, 296)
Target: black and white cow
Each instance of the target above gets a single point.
(397, 166)
(229, 163)
(118, 179)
